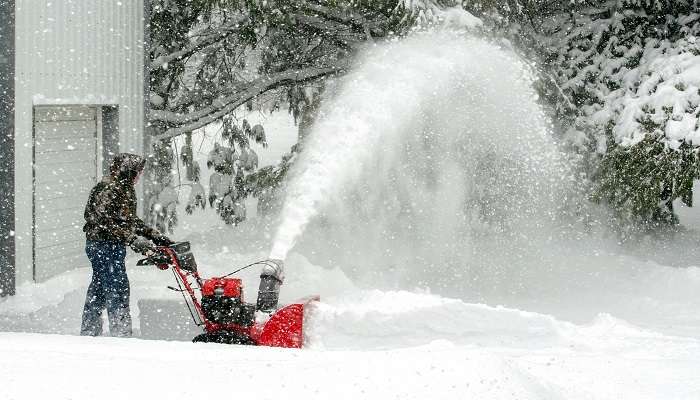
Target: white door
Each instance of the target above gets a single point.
(65, 169)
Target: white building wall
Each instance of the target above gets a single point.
(87, 52)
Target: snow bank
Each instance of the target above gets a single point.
(352, 316)
(32, 297)
(381, 320)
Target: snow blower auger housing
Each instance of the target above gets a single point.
(218, 304)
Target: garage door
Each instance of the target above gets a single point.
(65, 169)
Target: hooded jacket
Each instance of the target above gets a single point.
(110, 213)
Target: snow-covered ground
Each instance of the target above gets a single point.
(607, 360)
(361, 343)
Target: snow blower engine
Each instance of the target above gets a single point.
(218, 304)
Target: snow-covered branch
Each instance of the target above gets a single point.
(205, 41)
(355, 20)
(345, 34)
(191, 121)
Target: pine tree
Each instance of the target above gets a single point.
(633, 109)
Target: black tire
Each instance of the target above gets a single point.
(201, 338)
(223, 337)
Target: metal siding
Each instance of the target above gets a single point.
(145, 50)
(110, 134)
(73, 53)
(7, 148)
(144, 14)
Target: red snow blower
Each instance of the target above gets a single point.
(218, 305)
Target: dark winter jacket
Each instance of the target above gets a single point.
(110, 213)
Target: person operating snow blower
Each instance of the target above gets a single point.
(112, 224)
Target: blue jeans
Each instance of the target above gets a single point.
(108, 289)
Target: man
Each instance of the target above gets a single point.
(111, 224)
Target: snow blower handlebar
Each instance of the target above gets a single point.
(180, 258)
(166, 256)
(158, 259)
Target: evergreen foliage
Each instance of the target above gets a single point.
(632, 73)
(622, 78)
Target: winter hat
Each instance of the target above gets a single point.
(127, 166)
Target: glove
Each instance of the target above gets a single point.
(142, 246)
(161, 240)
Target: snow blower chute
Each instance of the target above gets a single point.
(218, 304)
